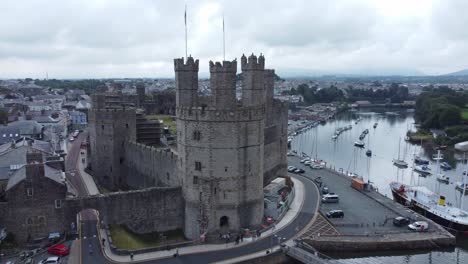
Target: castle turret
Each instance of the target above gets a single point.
(253, 86)
(223, 84)
(186, 79)
(269, 90)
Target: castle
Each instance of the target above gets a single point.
(228, 149)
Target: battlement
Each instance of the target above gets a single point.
(189, 65)
(252, 63)
(226, 67)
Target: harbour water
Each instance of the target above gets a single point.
(386, 142)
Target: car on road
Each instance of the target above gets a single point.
(419, 226)
(51, 260)
(291, 169)
(330, 198)
(59, 250)
(298, 171)
(335, 214)
(401, 221)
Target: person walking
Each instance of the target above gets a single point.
(131, 256)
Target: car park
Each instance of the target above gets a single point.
(330, 198)
(59, 250)
(419, 226)
(401, 221)
(335, 214)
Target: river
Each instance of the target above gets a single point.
(387, 143)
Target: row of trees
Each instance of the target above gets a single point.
(314, 95)
(395, 93)
(87, 85)
(440, 108)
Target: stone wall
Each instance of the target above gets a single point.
(276, 145)
(147, 166)
(143, 211)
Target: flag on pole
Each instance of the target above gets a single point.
(224, 42)
(185, 21)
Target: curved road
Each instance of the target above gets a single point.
(309, 207)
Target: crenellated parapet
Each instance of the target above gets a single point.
(225, 67)
(190, 65)
(240, 114)
(252, 63)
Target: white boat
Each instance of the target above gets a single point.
(423, 169)
(335, 136)
(399, 162)
(459, 186)
(359, 143)
(442, 178)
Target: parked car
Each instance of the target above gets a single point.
(307, 163)
(335, 214)
(330, 198)
(59, 250)
(291, 169)
(419, 226)
(29, 261)
(290, 154)
(51, 260)
(71, 139)
(304, 160)
(401, 221)
(316, 166)
(325, 190)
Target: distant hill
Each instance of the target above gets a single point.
(463, 72)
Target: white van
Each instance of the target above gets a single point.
(330, 198)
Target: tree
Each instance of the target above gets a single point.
(3, 117)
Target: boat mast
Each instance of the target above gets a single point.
(412, 171)
(463, 181)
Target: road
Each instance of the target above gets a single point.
(89, 229)
(71, 171)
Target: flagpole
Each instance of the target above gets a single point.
(185, 20)
(224, 42)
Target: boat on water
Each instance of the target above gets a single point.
(375, 125)
(335, 136)
(398, 161)
(422, 169)
(369, 153)
(420, 161)
(431, 205)
(443, 179)
(366, 131)
(362, 136)
(359, 144)
(459, 186)
(445, 166)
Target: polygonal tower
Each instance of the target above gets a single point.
(220, 146)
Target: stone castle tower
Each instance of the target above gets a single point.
(111, 124)
(221, 145)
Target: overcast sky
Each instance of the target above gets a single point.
(137, 38)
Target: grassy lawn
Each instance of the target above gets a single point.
(167, 121)
(465, 114)
(125, 239)
(418, 136)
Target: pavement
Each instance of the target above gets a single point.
(302, 212)
(87, 179)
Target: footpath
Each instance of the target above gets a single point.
(87, 179)
(288, 218)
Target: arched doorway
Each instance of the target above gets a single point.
(224, 222)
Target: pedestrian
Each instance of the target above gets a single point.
(131, 256)
(242, 237)
(103, 242)
(237, 239)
